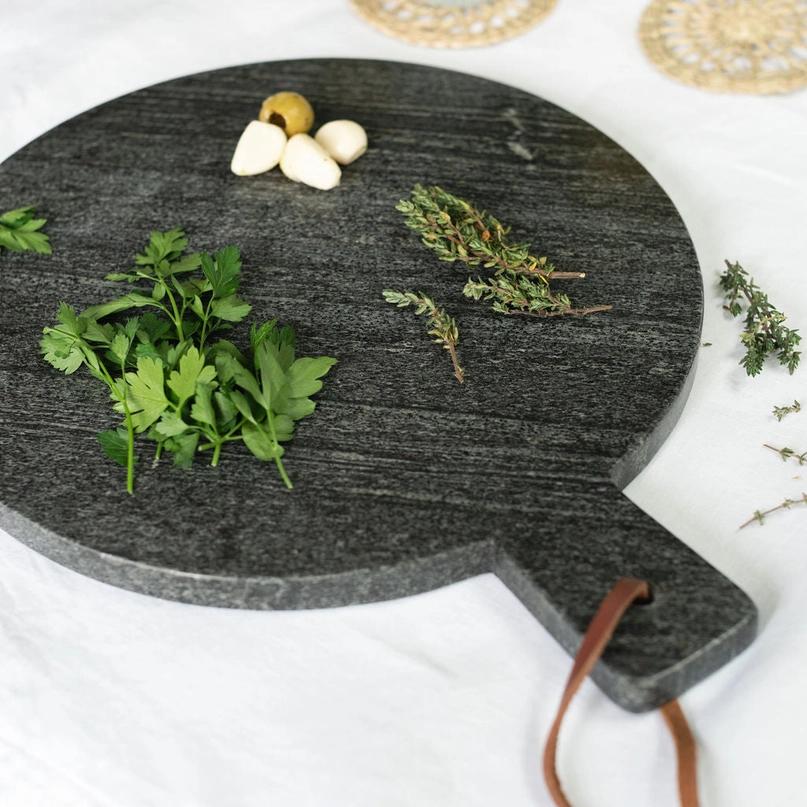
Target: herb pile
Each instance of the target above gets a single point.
(172, 382)
(518, 282)
(765, 333)
(21, 231)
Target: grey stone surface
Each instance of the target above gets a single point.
(404, 480)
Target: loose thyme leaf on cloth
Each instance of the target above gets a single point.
(169, 380)
(20, 232)
(760, 515)
(781, 412)
(455, 230)
(788, 453)
(765, 332)
(441, 326)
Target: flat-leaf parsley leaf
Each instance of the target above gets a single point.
(21, 231)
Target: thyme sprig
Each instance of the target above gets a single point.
(788, 453)
(441, 326)
(455, 230)
(765, 332)
(760, 515)
(780, 412)
(518, 294)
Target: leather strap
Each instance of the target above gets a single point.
(625, 592)
(686, 752)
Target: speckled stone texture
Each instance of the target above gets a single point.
(404, 480)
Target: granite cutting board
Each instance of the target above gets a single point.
(404, 480)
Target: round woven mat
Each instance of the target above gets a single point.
(745, 46)
(453, 25)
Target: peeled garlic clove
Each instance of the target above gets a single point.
(259, 149)
(304, 160)
(344, 140)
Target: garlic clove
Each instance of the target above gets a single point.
(304, 160)
(259, 149)
(344, 140)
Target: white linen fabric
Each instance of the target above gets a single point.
(113, 699)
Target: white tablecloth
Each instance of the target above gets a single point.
(116, 699)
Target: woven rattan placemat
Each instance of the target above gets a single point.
(453, 24)
(744, 46)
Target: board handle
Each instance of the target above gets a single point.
(626, 592)
(697, 622)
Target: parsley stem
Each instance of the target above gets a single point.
(282, 471)
(278, 462)
(177, 318)
(205, 321)
(129, 452)
(129, 435)
(216, 454)
(127, 419)
(270, 421)
(234, 429)
(212, 443)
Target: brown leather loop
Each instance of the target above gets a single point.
(686, 752)
(625, 592)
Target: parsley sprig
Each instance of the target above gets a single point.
(169, 379)
(20, 231)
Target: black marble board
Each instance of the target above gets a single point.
(405, 480)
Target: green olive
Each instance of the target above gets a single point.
(288, 110)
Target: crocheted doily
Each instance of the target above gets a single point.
(454, 24)
(749, 46)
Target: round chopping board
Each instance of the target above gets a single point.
(404, 480)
